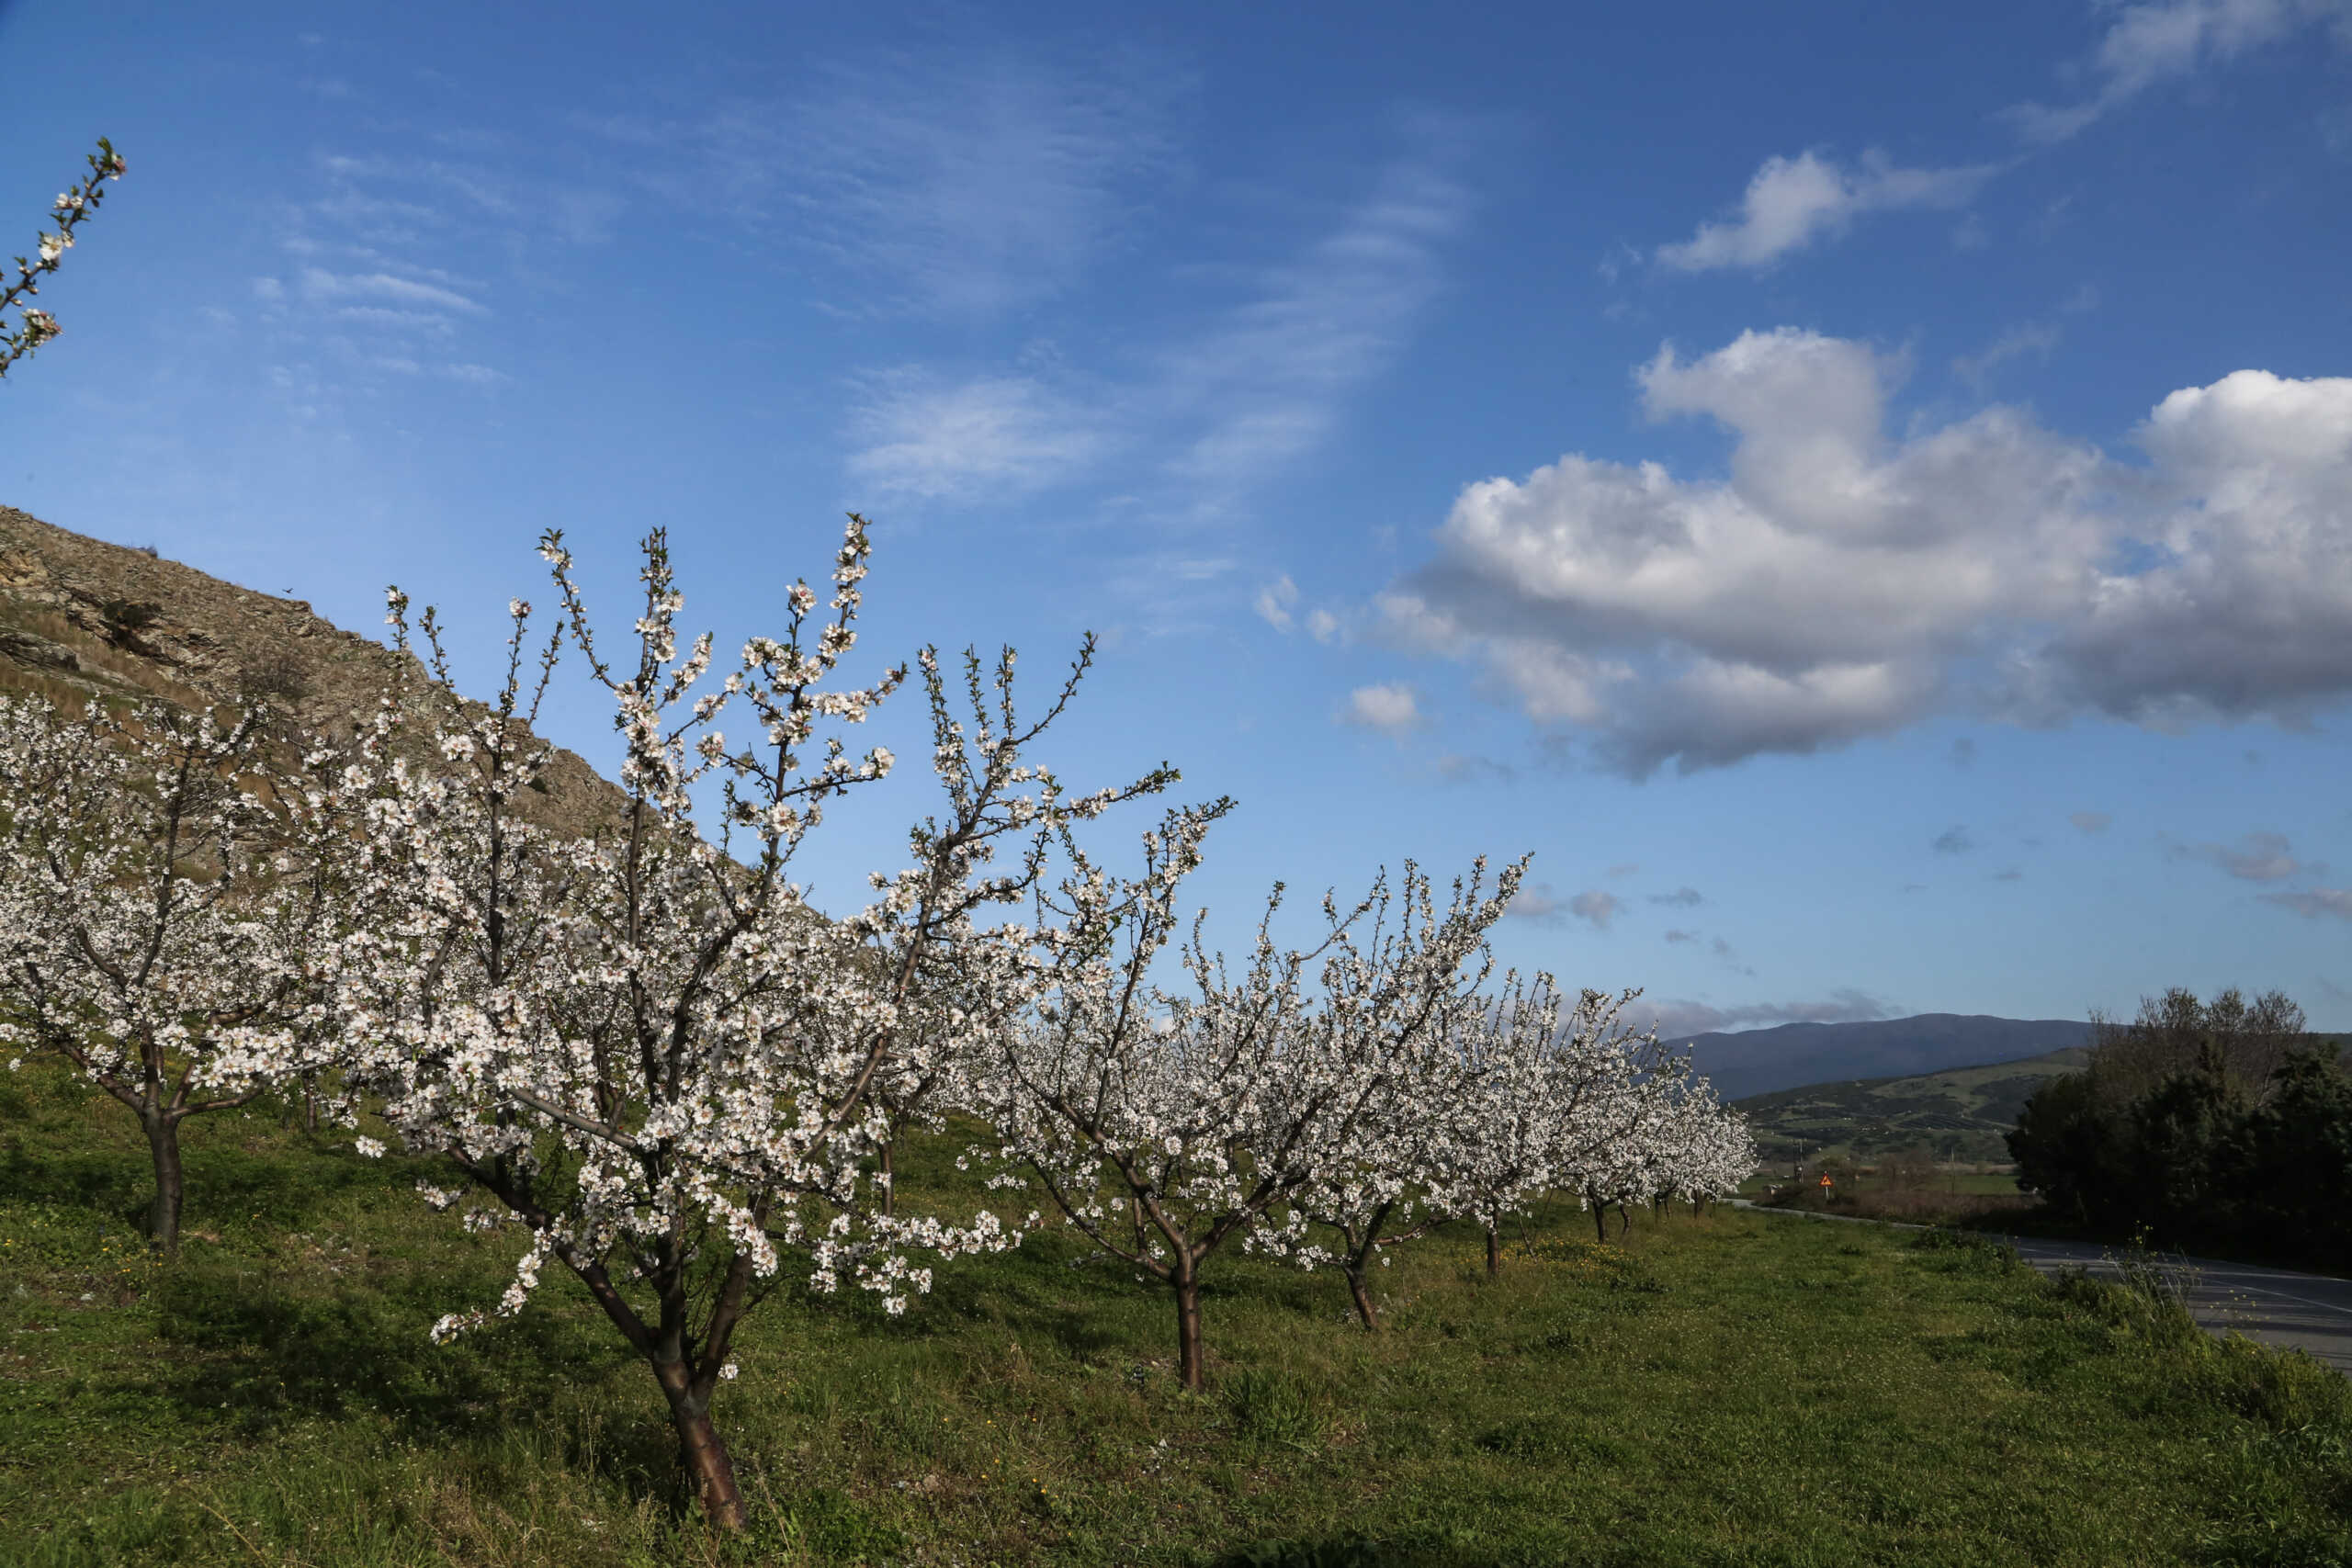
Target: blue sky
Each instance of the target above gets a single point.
(1860, 491)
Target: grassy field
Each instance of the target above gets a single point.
(1741, 1389)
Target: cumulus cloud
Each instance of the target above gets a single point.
(2035, 339)
(1595, 906)
(1848, 1005)
(1953, 840)
(1791, 202)
(2161, 40)
(1680, 898)
(2257, 857)
(1537, 905)
(1274, 600)
(1678, 936)
(1392, 709)
(1322, 625)
(2318, 901)
(1842, 582)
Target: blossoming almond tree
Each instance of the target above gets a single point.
(166, 898)
(643, 1046)
(1546, 1098)
(72, 208)
(1164, 1125)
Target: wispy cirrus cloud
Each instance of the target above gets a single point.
(989, 436)
(954, 182)
(1265, 380)
(1790, 203)
(2162, 40)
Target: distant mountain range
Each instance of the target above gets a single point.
(1796, 1054)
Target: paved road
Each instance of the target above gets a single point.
(2278, 1306)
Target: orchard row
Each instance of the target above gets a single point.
(642, 1052)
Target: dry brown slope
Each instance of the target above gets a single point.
(81, 616)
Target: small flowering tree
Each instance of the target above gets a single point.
(72, 210)
(1164, 1124)
(164, 903)
(642, 1046)
(1547, 1100)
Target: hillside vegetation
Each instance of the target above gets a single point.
(82, 618)
(1959, 1115)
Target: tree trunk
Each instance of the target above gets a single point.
(1494, 1248)
(1363, 1301)
(1188, 1324)
(1624, 1220)
(1600, 1220)
(701, 1449)
(889, 1181)
(164, 1213)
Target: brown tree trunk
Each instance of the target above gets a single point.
(889, 1181)
(1600, 1220)
(1494, 1248)
(1187, 1323)
(1624, 1220)
(164, 1213)
(1363, 1301)
(701, 1449)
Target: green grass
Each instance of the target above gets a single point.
(1742, 1388)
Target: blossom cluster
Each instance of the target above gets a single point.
(72, 208)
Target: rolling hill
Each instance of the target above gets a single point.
(1758, 1061)
(82, 618)
(1958, 1113)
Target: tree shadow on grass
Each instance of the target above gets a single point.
(221, 1182)
(267, 1347)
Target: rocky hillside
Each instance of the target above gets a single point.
(80, 617)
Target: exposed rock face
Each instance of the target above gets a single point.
(81, 615)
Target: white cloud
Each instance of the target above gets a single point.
(984, 438)
(1791, 202)
(2036, 339)
(1265, 380)
(2332, 901)
(2158, 41)
(2258, 857)
(1393, 709)
(975, 180)
(1274, 600)
(1322, 625)
(2090, 821)
(319, 284)
(1841, 583)
(1596, 906)
(1848, 1005)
